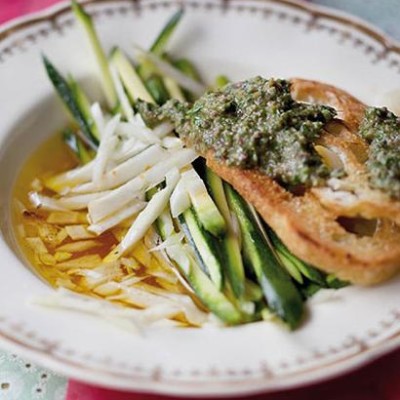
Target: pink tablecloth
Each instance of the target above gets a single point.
(377, 381)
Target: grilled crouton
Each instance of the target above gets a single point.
(315, 224)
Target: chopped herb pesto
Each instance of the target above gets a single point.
(381, 129)
(254, 124)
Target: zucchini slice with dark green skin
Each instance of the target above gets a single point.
(204, 288)
(305, 269)
(77, 146)
(84, 105)
(64, 91)
(106, 80)
(233, 265)
(282, 296)
(162, 39)
(205, 245)
(156, 87)
(211, 297)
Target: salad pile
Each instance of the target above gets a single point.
(141, 220)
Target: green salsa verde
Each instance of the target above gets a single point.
(257, 124)
(254, 124)
(381, 129)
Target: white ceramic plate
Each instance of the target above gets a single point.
(240, 39)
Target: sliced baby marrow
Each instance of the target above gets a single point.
(282, 296)
(106, 80)
(234, 265)
(64, 91)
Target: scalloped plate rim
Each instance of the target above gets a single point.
(96, 377)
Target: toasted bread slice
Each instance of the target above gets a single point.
(310, 224)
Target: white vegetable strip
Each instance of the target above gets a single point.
(173, 303)
(132, 146)
(146, 218)
(183, 80)
(98, 117)
(125, 171)
(122, 97)
(170, 241)
(115, 219)
(192, 312)
(151, 302)
(48, 203)
(139, 297)
(106, 147)
(129, 148)
(180, 200)
(141, 133)
(70, 178)
(177, 159)
(78, 202)
(105, 206)
(193, 182)
(116, 199)
(167, 223)
(198, 193)
(161, 311)
(163, 129)
(162, 255)
(170, 142)
(71, 301)
(181, 257)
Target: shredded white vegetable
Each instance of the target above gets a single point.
(68, 300)
(172, 143)
(158, 306)
(126, 171)
(47, 203)
(146, 218)
(117, 198)
(107, 205)
(130, 209)
(170, 241)
(78, 202)
(177, 253)
(106, 147)
(122, 97)
(197, 190)
(127, 149)
(180, 200)
(163, 129)
(137, 131)
(98, 117)
(109, 193)
(63, 182)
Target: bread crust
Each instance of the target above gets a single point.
(308, 223)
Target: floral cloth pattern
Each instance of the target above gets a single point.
(21, 380)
